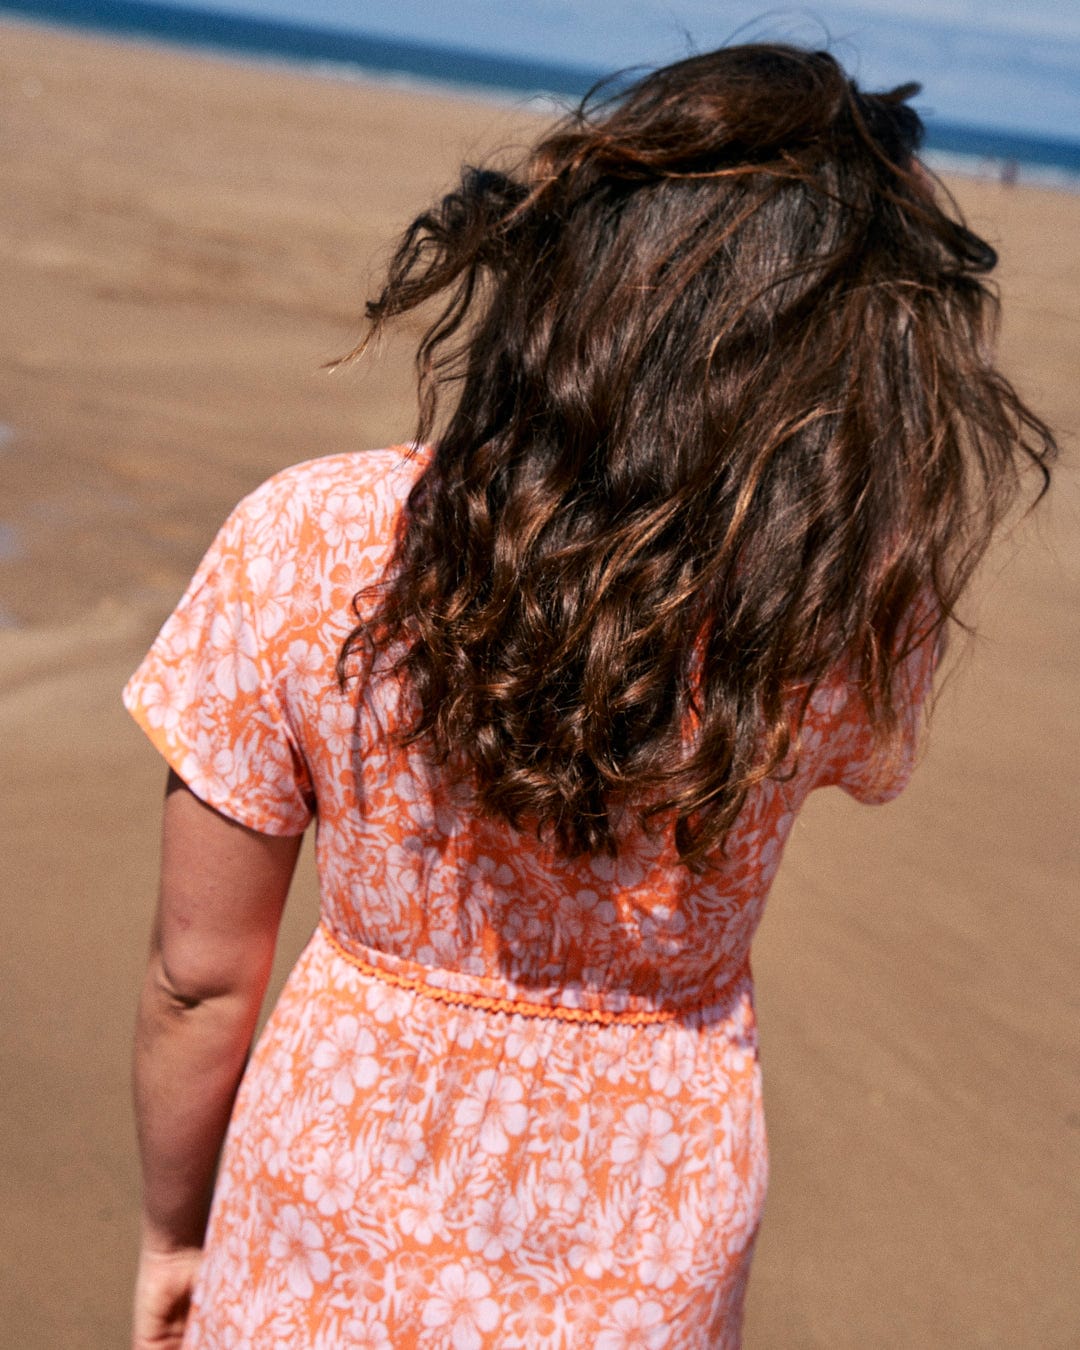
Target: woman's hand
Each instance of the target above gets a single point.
(163, 1288)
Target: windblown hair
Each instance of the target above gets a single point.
(725, 422)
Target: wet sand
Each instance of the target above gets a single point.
(184, 242)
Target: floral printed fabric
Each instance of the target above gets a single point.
(505, 1099)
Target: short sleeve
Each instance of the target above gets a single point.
(843, 744)
(211, 694)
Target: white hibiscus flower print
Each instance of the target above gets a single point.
(421, 1213)
(348, 1055)
(273, 587)
(337, 725)
(330, 1183)
(563, 1187)
(164, 699)
(590, 1250)
(645, 1140)
(666, 1254)
(496, 1228)
(233, 650)
(634, 1325)
(297, 1243)
(339, 520)
(307, 664)
(493, 1102)
(460, 1305)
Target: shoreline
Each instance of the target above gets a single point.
(980, 151)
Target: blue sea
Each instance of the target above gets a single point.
(1001, 80)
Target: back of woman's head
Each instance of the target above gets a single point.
(723, 423)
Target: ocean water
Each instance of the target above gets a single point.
(1001, 80)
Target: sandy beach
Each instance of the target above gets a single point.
(184, 243)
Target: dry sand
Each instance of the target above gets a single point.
(183, 242)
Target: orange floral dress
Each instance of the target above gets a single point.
(505, 1099)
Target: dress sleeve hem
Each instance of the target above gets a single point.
(174, 754)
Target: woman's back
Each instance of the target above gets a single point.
(410, 870)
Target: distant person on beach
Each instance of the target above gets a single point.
(711, 441)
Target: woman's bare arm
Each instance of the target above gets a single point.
(223, 888)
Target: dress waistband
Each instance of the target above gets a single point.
(449, 987)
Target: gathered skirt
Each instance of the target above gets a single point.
(408, 1170)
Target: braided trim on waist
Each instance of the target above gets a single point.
(416, 984)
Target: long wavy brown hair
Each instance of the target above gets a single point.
(723, 421)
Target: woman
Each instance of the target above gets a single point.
(723, 444)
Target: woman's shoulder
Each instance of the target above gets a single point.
(320, 525)
(321, 507)
(837, 741)
(361, 481)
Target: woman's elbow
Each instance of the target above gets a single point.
(181, 985)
